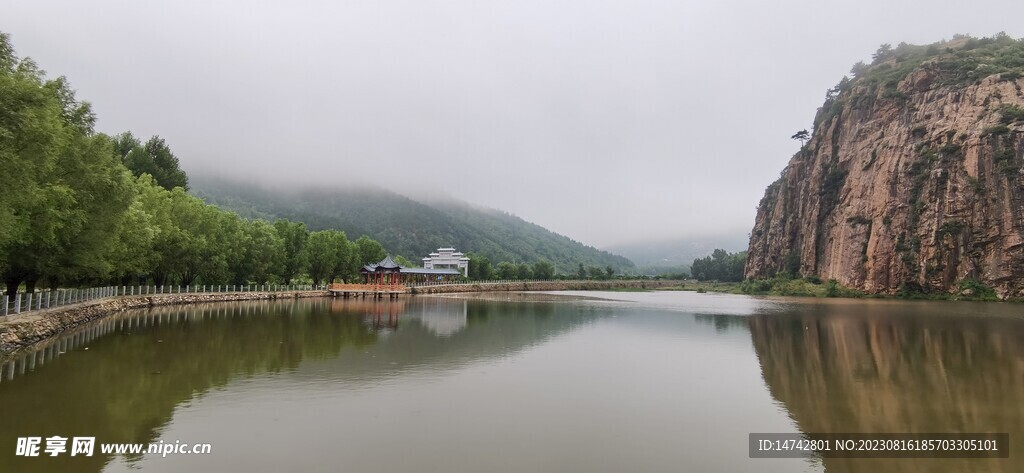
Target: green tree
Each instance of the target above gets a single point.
(479, 267)
(884, 52)
(523, 271)
(404, 262)
(369, 250)
(124, 144)
(34, 135)
(506, 270)
(154, 158)
(322, 254)
(198, 227)
(720, 266)
(61, 198)
(102, 191)
(802, 136)
(194, 239)
(581, 272)
(543, 270)
(132, 252)
(266, 251)
(232, 241)
(345, 256)
(858, 69)
(294, 236)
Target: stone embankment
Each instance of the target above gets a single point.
(543, 286)
(20, 331)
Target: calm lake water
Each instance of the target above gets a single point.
(654, 381)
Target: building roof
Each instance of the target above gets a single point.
(385, 264)
(388, 264)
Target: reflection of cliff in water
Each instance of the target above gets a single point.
(841, 368)
(141, 365)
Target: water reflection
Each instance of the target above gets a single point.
(652, 382)
(724, 322)
(121, 378)
(897, 367)
(443, 317)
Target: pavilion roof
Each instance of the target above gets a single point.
(386, 264)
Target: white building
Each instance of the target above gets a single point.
(447, 258)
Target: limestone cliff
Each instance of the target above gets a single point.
(912, 178)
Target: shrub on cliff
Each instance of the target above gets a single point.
(973, 289)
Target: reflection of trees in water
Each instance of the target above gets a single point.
(837, 370)
(141, 365)
(125, 388)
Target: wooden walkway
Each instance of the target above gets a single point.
(378, 291)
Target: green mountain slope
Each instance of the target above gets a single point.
(407, 227)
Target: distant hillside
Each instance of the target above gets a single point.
(407, 227)
(679, 252)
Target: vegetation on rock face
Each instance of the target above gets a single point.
(976, 290)
(936, 194)
(959, 62)
(784, 285)
(956, 63)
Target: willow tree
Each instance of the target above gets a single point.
(266, 251)
(326, 251)
(294, 236)
(369, 250)
(63, 192)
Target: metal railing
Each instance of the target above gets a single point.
(39, 300)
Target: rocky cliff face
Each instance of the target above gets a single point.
(912, 179)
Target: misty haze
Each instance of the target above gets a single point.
(609, 122)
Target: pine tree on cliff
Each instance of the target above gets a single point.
(801, 136)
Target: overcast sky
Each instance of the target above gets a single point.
(607, 121)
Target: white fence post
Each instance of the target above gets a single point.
(6, 298)
(17, 303)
